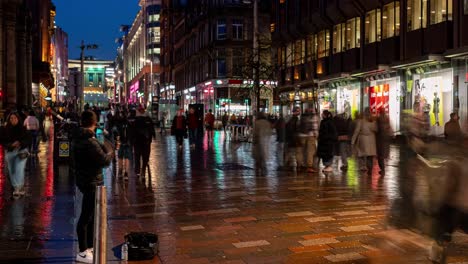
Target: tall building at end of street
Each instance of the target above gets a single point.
(141, 54)
(208, 55)
(391, 56)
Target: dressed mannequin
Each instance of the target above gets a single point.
(435, 109)
(347, 108)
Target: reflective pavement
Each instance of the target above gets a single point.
(210, 205)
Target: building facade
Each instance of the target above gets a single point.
(141, 54)
(60, 64)
(207, 51)
(344, 56)
(98, 81)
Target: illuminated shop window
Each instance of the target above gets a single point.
(153, 18)
(323, 45)
(289, 54)
(416, 14)
(441, 11)
(391, 20)
(373, 28)
(353, 33)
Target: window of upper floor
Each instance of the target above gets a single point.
(323, 43)
(373, 26)
(153, 18)
(416, 12)
(154, 35)
(237, 29)
(311, 47)
(465, 7)
(221, 32)
(353, 33)
(391, 20)
(338, 40)
(441, 11)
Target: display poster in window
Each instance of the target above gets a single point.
(379, 98)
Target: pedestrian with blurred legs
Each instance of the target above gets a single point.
(343, 124)
(383, 137)
(308, 132)
(209, 124)
(292, 141)
(261, 139)
(179, 128)
(452, 130)
(280, 127)
(16, 140)
(32, 126)
(192, 122)
(89, 157)
(225, 120)
(124, 152)
(327, 139)
(143, 134)
(364, 141)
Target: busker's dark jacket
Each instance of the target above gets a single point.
(9, 134)
(89, 157)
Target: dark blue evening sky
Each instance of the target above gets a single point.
(95, 22)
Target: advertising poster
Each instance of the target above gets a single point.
(379, 98)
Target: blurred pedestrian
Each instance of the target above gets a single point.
(225, 120)
(261, 138)
(89, 157)
(364, 141)
(32, 126)
(192, 121)
(163, 122)
(143, 135)
(124, 153)
(179, 128)
(452, 130)
(327, 139)
(280, 127)
(307, 136)
(48, 123)
(209, 124)
(292, 141)
(16, 140)
(343, 124)
(383, 137)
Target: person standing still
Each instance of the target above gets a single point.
(383, 136)
(209, 124)
(261, 139)
(143, 135)
(179, 128)
(89, 157)
(280, 127)
(327, 139)
(32, 125)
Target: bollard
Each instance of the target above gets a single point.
(100, 226)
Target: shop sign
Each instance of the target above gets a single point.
(379, 98)
(64, 149)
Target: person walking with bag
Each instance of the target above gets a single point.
(365, 142)
(32, 125)
(343, 127)
(16, 140)
(89, 157)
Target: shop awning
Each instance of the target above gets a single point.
(421, 61)
(334, 77)
(372, 71)
(454, 53)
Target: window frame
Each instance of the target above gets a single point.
(219, 26)
(325, 52)
(237, 29)
(446, 13)
(377, 32)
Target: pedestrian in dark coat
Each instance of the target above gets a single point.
(327, 139)
(179, 128)
(143, 134)
(383, 136)
(89, 157)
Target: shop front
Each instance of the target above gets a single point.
(383, 93)
(303, 98)
(433, 95)
(460, 87)
(348, 98)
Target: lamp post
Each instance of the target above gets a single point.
(151, 72)
(83, 47)
(256, 56)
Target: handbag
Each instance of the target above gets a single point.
(23, 155)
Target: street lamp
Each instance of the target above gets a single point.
(151, 72)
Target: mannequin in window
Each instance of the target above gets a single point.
(347, 108)
(435, 109)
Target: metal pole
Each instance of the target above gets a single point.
(80, 97)
(152, 82)
(100, 226)
(256, 59)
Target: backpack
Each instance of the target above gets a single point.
(142, 245)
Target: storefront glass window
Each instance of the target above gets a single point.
(384, 95)
(465, 7)
(348, 99)
(416, 14)
(327, 99)
(441, 10)
(353, 33)
(373, 28)
(298, 52)
(433, 92)
(323, 43)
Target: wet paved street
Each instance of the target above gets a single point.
(210, 206)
